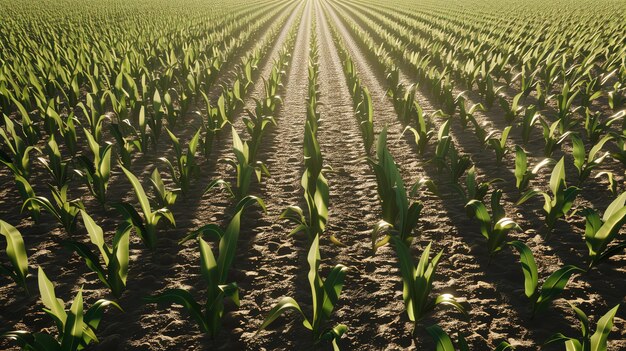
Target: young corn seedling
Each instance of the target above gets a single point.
(617, 95)
(214, 122)
(588, 342)
(16, 251)
(325, 296)
(399, 213)
(115, 269)
(600, 232)
(512, 111)
(611, 180)
(466, 115)
(127, 140)
(551, 138)
(475, 190)
(444, 342)
(186, 167)
(54, 163)
(560, 202)
(365, 110)
(214, 272)
(156, 121)
(531, 117)
(551, 288)
(26, 192)
(163, 196)
(499, 145)
(316, 193)
(29, 129)
(457, 164)
(96, 172)
(443, 145)
(418, 283)
(595, 127)
(256, 124)
(564, 107)
(523, 174)
(494, 228)
(76, 327)
(19, 161)
(146, 227)
(63, 210)
(244, 166)
(586, 162)
(94, 111)
(423, 133)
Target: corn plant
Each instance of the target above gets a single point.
(457, 163)
(523, 174)
(54, 163)
(399, 213)
(18, 161)
(588, 341)
(146, 227)
(564, 107)
(466, 115)
(96, 172)
(256, 125)
(617, 95)
(325, 296)
(443, 145)
(422, 133)
(552, 138)
(531, 117)
(475, 190)
(16, 252)
(115, 269)
(127, 140)
(214, 272)
(94, 110)
(65, 211)
(155, 122)
(595, 127)
(499, 144)
(444, 342)
(512, 111)
(28, 127)
(586, 162)
(186, 166)
(551, 288)
(562, 197)
(365, 111)
(26, 192)
(215, 120)
(600, 232)
(163, 197)
(495, 227)
(418, 283)
(245, 166)
(76, 327)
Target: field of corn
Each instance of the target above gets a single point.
(312, 175)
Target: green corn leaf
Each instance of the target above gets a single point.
(605, 324)
(73, 332)
(529, 268)
(554, 285)
(48, 297)
(442, 340)
(284, 305)
(16, 251)
(96, 235)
